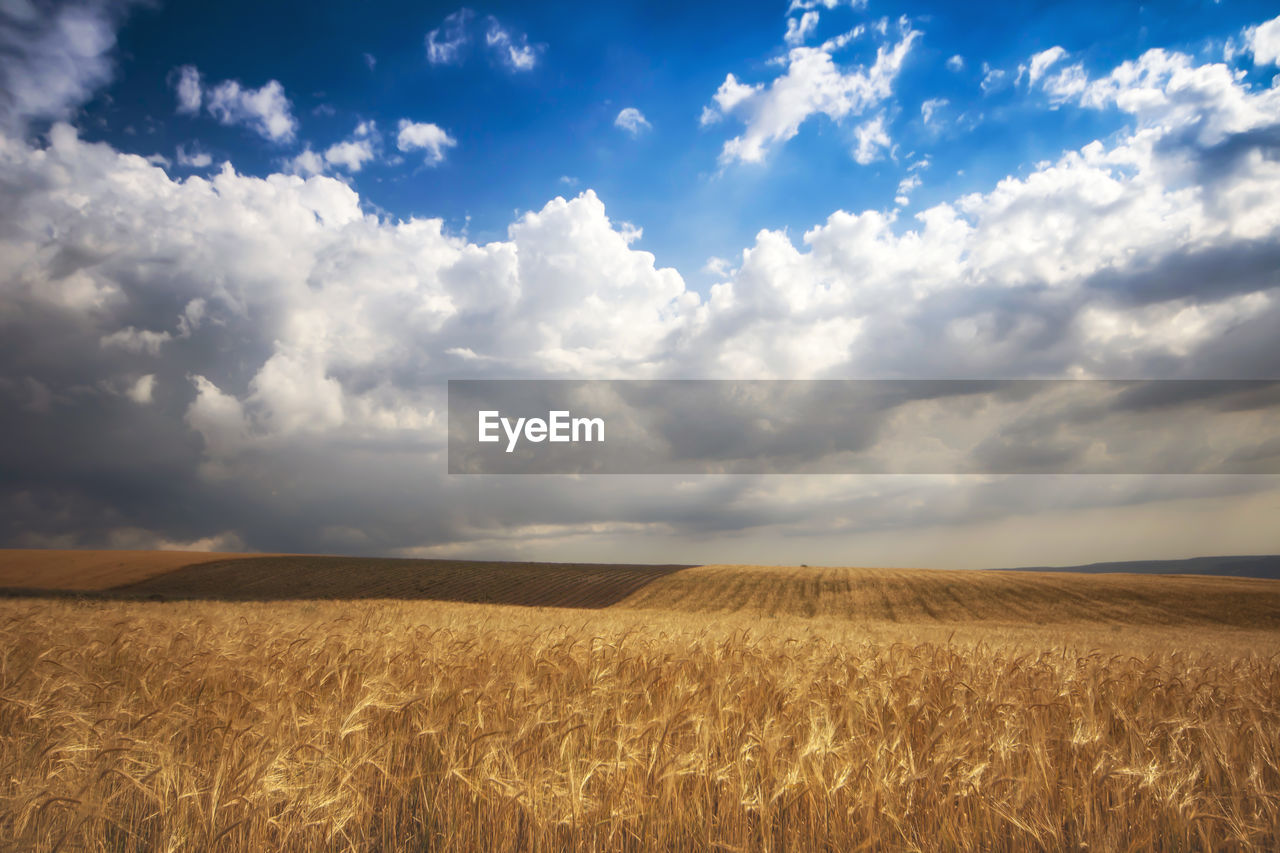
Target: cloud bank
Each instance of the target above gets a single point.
(260, 360)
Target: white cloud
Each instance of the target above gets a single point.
(720, 267)
(1042, 61)
(265, 110)
(53, 56)
(905, 188)
(445, 44)
(1067, 84)
(930, 108)
(956, 63)
(799, 29)
(632, 121)
(513, 51)
(370, 61)
(812, 85)
(993, 79)
(306, 162)
(424, 136)
(187, 87)
(872, 141)
(730, 94)
(910, 182)
(352, 153)
(798, 5)
(1264, 42)
(193, 158)
(219, 418)
(136, 340)
(140, 392)
(1167, 92)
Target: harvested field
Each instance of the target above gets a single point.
(924, 595)
(274, 578)
(90, 570)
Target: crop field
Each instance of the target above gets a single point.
(282, 577)
(920, 595)
(735, 718)
(90, 570)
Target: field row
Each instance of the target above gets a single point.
(957, 597)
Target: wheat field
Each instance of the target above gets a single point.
(417, 725)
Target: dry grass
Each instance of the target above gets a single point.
(419, 725)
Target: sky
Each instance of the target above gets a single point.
(244, 247)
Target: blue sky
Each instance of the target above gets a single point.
(521, 132)
(243, 248)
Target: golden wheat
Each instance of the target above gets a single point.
(386, 726)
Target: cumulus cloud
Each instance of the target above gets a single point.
(813, 84)
(1169, 94)
(1264, 42)
(955, 63)
(424, 136)
(265, 110)
(53, 56)
(306, 162)
(352, 153)
(632, 121)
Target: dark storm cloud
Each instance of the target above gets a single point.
(1201, 276)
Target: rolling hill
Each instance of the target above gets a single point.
(856, 594)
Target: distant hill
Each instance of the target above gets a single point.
(1155, 592)
(1240, 567)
